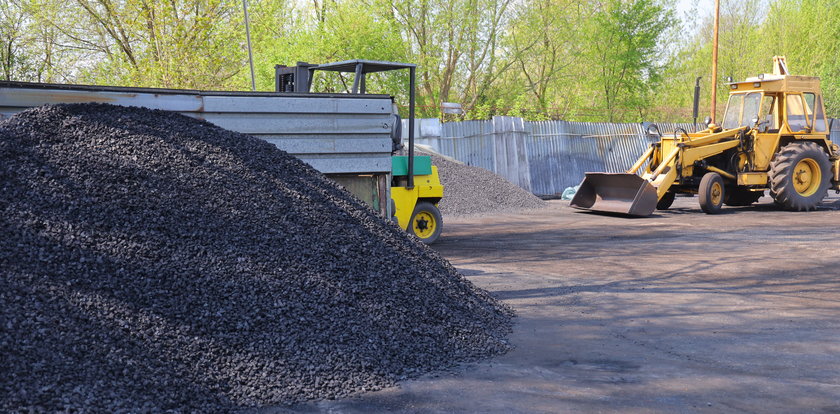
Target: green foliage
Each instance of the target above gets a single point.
(544, 55)
(624, 60)
(338, 31)
(19, 30)
(806, 32)
(456, 45)
(584, 60)
(13, 34)
(480, 111)
(183, 43)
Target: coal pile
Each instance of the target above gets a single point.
(472, 190)
(153, 262)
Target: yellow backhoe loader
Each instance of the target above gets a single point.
(774, 136)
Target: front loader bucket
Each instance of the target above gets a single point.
(616, 193)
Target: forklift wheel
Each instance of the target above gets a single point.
(711, 193)
(426, 222)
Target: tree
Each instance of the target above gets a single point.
(545, 54)
(592, 60)
(807, 33)
(739, 55)
(623, 53)
(15, 38)
(179, 43)
(326, 32)
(456, 45)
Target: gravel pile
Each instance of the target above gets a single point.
(472, 190)
(153, 262)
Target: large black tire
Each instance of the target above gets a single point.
(426, 222)
(711, 193)
(772, 195)
(666, 201)
(800, 175)
(739, 197)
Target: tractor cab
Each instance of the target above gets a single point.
(777, 103)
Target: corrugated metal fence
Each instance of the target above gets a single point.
(334, 133)
(545, 157)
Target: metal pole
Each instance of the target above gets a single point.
(358, 78)
(715, 61)
(411, 128)
(248, 36)
(696, 99)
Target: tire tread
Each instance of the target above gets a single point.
(781, 182)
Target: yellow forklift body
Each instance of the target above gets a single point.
(426, 187)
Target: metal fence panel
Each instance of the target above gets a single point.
(336, 134)
(560, 157)
(471, 142)
(544, 157)
(511, 143)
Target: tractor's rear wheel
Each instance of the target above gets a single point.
(665, 202)
(800, 175)
(711, 193)
(739, 197)
(426, 222)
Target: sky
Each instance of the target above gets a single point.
(700, 7)
(686, 5)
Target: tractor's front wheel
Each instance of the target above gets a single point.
(711, 193)
(426, 222)
(800, 175)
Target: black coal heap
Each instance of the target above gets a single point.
(151, 261)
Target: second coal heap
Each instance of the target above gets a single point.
(151, 261)
(470, 190)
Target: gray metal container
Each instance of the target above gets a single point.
(344, 136)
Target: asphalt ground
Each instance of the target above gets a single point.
(681, 312)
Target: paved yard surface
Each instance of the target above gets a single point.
(681, 312)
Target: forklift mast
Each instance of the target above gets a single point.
(298, 79)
